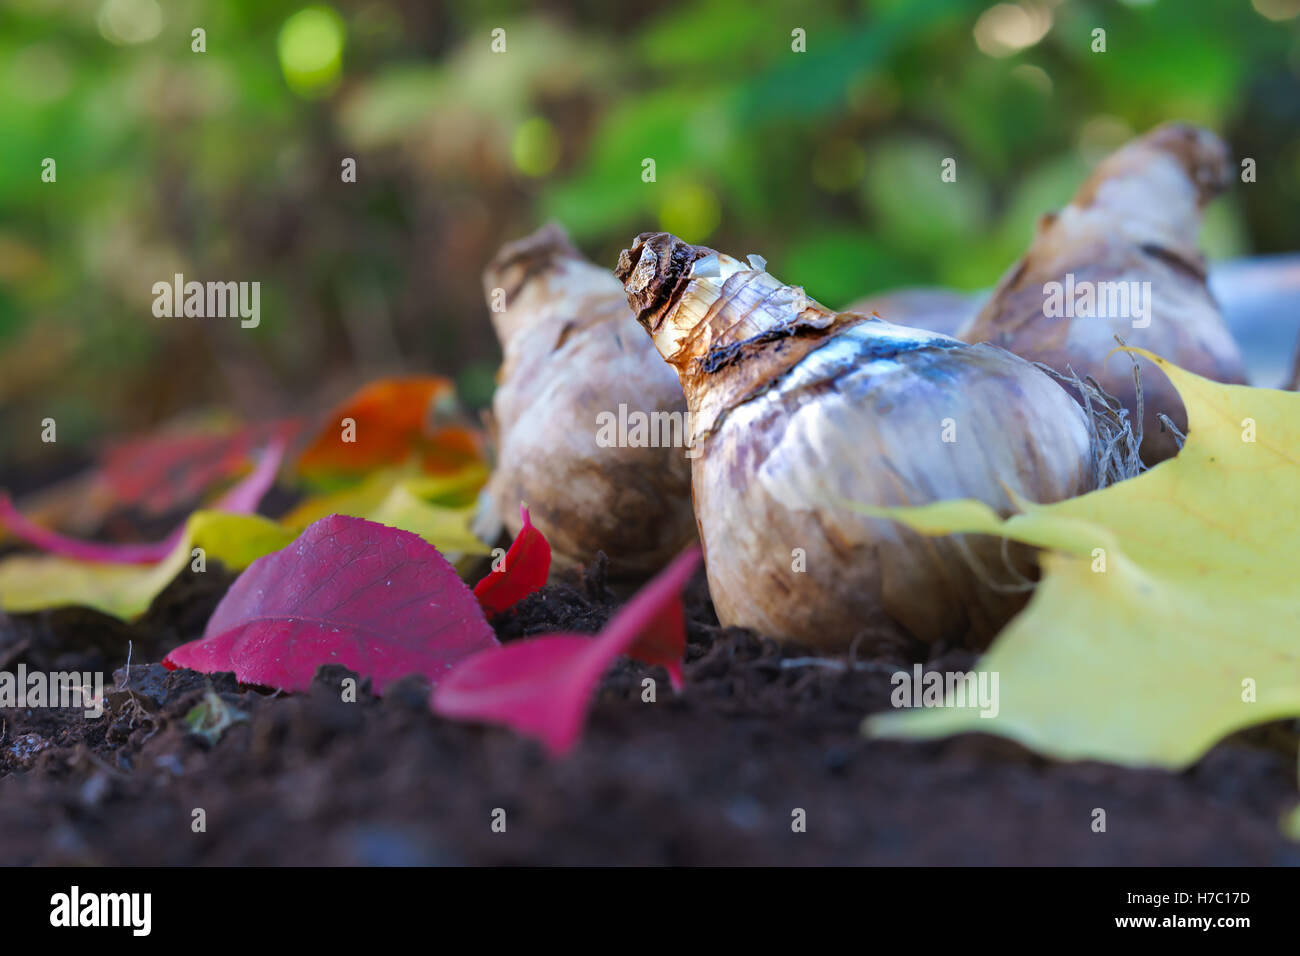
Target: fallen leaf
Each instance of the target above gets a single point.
(242, 499)
(385, 424)
(377, 600)
(363, 497)
(447, 529)
(526, 566)
(161, 473)
(1168, 612)
(37, 582)
(412, 502)
(542, 687)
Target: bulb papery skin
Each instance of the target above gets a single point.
(805, 412)
(1130, 230)
(573, 354)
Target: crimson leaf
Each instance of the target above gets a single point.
(527, 564)
(542, 687)
(380, 601)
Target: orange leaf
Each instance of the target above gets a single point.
(387, 423)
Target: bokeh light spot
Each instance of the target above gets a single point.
(1006, 28)
(1277, 10)
(536, 147)
(690, 211)
(130, 21)
(310, 46)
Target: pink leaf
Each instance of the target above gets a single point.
(241, 499)
(527, 564)
(542, 687)
(244, 497)
(377, 600)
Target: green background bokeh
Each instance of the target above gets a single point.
(225, 165)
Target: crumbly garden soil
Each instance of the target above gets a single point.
(712, 776)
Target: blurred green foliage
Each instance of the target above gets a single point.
(225, 164)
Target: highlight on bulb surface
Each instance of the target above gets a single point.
(798, 411)
(1122, 260)
(576, 370)
(934, 310)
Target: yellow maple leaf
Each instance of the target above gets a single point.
(1168, 614)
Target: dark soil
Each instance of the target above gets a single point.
(710, 777)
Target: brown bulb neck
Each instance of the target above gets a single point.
(655, 272)
(523, 260)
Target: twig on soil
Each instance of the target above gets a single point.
(133, 710)
(126, 679)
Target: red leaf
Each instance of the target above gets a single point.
(542, 687)
(161, 473)
(377, 600)
(527, 564)
(242, 499)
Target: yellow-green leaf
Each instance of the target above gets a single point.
(358, 500)
(447, 529)
(439, 508)
(1168, 614)
(37, 582)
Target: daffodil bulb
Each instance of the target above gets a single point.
(584, 415)
(1121, 260)
(798, 412)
